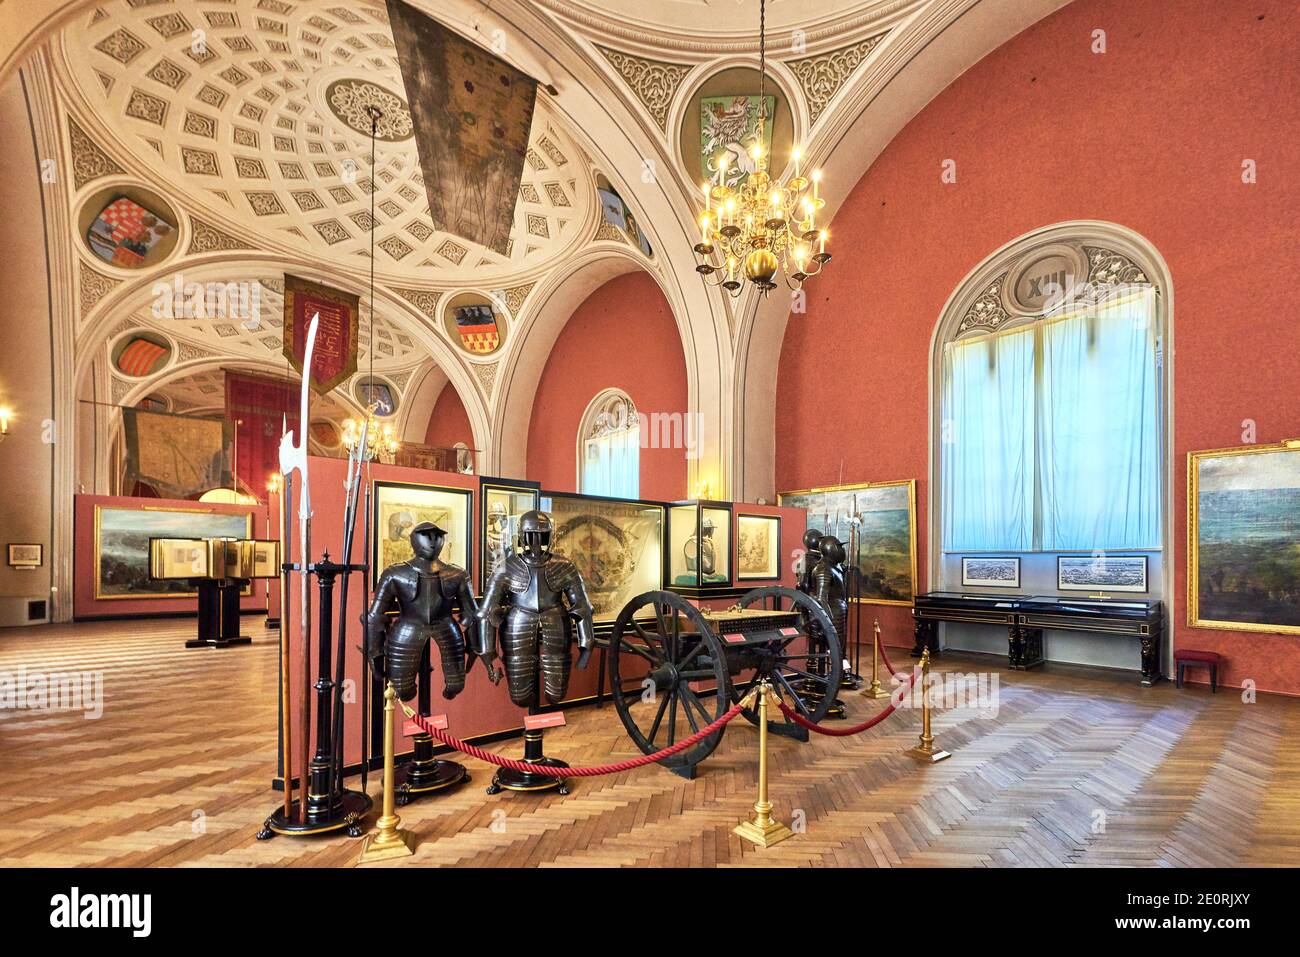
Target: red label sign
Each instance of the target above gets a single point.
(790, 632)
(733, 638)
(554, 719)
(411, 729)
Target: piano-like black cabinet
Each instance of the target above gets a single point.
(1026, 616)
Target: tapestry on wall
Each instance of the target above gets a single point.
(617, 546)
(472, 113)
(728, 131)
(334, 356)
(885, 517)
(259, 408)
(177, 456)
(1244, 538)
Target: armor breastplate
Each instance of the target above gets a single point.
(531, 586)
(430, 605)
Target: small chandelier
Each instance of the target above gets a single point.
(380, 441)
(763, 227)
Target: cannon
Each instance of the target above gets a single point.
(675, 668)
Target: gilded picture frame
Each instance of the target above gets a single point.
(1243, 538)
(882, 568)
(397, 507)
(131, 567)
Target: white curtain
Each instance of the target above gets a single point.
(1099, 429)
(987, 443)
(611, 463)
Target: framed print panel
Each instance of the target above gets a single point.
(1243, 538)
(400, 506)
(618, 546)
(503, 505)
(23, 555)
(881, 516)
(990, 571)
(758, 547)
(1101, 573)
(122, 546)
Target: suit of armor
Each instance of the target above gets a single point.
(812, 539)
(538, 599)
(827, 584)
(427, 592)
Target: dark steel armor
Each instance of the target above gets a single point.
(811, 543)
(827, 581)
(428, 594)
(539, 600)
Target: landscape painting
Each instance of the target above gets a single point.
(883, 517)
(1244, 539)
(991, 572)
(1101, 573)
(122, 546)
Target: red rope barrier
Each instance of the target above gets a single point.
(889, 665)
(552, 772)
(803, 722)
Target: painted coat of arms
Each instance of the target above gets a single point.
(728, 130)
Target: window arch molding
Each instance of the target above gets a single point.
(1100, 259)
(610, 419)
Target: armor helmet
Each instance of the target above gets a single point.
(707, 527)
(535, 530)
(427, 540)
(832, 549)
(812, 539)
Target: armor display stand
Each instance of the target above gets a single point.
(511, 780)
(852, 677)
(424, 773)
(329, 806)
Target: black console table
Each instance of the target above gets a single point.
(1025, 617)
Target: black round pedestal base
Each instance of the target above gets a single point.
(511, 780)
(345, 816)
(418, 778)
(851, 681)
(218, 643)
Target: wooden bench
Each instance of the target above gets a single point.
(1190, 656)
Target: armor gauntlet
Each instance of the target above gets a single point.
(580, 610)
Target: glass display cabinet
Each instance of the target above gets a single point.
(502, 503)
(699, 553)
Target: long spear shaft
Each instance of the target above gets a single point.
(340, 653)
(286, 700)
(366, 678)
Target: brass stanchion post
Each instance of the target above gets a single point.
(926, 751)
(762, 830)
(389, 841)
(875, 690)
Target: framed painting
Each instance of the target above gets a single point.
(1243, 538)
(758, 547)
(503, 503)
(26, 555)
(1101, 573)
(122, 546)
(617, 544)
(397, 507)
(881, 518)
(989, 571)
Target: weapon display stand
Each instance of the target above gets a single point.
(219, 614)
(424, 773)
(329, 807)
(851, 680)
(511, 780)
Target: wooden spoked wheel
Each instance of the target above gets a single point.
(668, 676)
(804, 670)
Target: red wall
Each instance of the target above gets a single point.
(448, 422)
(622, 336)
(1151, 135)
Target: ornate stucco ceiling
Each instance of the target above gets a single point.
(255, 108)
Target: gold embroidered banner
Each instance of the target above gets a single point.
(472, 113)
(334, 359)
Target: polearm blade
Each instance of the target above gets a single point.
(293, 458)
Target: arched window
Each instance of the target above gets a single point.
(609, 447)
(1050, 396)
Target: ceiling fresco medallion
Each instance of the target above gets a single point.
(350, 100)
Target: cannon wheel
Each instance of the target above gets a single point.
(791, 674)
(676, 710)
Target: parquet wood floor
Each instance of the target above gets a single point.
(1076, 769)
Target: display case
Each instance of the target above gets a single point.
(399, 506)
(699, 553)
(502, 503)
(213, 559)
(617, 544)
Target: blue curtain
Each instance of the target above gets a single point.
(1050, 436)
(987, 443)
(1099, 430)
(611, 463)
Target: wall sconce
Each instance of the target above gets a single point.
(6, 414)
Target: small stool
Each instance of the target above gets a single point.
(1189, 656)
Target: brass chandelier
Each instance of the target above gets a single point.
(764, 227)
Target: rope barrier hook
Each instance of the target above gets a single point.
(763, 830)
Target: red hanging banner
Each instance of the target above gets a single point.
(257, 406)
(335, 357)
